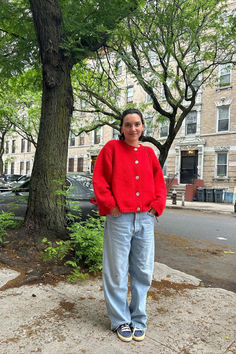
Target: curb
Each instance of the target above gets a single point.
(216, 211)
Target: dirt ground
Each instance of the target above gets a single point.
(20, 253)
(183, 318)
(214, 265)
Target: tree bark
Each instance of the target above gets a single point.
(2, 140)
(46, 207)
(1, 165)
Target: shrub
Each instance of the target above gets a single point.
(84, 248)
(87, 241)
(7, 221)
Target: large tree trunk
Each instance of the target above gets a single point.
(46, 207)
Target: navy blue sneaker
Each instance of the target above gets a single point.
(138, 334)
(124, 332)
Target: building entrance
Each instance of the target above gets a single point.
(93, 160)
(189, 162)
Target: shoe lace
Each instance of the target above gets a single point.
(125, 327)
(136, 329)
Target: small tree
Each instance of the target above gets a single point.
(7, 110)
(26, 91)
(20, 99)
(172, 49)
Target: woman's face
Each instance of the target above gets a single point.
(132, 128)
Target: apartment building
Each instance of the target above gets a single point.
(204, 149)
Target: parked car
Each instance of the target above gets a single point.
(6, 182)
(13, 177)
(4, 186)
(19, 181)
(79, 195)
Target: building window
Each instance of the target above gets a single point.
(81, 139)
(22, 165)
(22, 145)
(7, 147)
(191, 123)
(119, 66)
(13, 146)
(12, 168)
(221, 168)
(164, 169)
(115, 134)
(118, 99)
(71, 165)
(164, 130)
(27, 167)
(168, 84)
(28, 146)
(149, 126)
(80, 165)
(224, 75)
(6, 168)
(93, 160)
(130, 94)
(148, 98)
(83, 104)
(197, 83)
(72, 139)
(223, 118)
(97, 136)
(152, 57)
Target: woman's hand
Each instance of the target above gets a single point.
(152, 212)
(115, 211)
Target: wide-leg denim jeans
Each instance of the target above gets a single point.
(128, 249)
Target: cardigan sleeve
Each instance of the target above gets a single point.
(102, 180)
(159, 202)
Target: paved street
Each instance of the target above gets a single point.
(216, 228)
(199, 243)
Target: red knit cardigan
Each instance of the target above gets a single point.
(128, 177)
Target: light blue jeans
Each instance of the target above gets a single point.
(128, 248)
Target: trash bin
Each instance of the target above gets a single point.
(218, 195)
(201, 194)
(228, 197)
(210, 195)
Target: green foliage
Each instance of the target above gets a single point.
(76, 274)
(171, 49)
(83, 249)
(18, 46)
(87, 23)
(56, 252)
(87, 240)
(20, 105)
(7, 221)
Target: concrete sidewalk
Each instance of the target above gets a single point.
(69, 319)
(184, 317)
(222, 208)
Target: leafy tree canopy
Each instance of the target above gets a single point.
(171, 49)
(85, 23)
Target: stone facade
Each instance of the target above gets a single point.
(205, 147)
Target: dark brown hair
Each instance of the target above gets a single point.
(124, 114)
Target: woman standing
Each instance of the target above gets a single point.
(130, 190)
